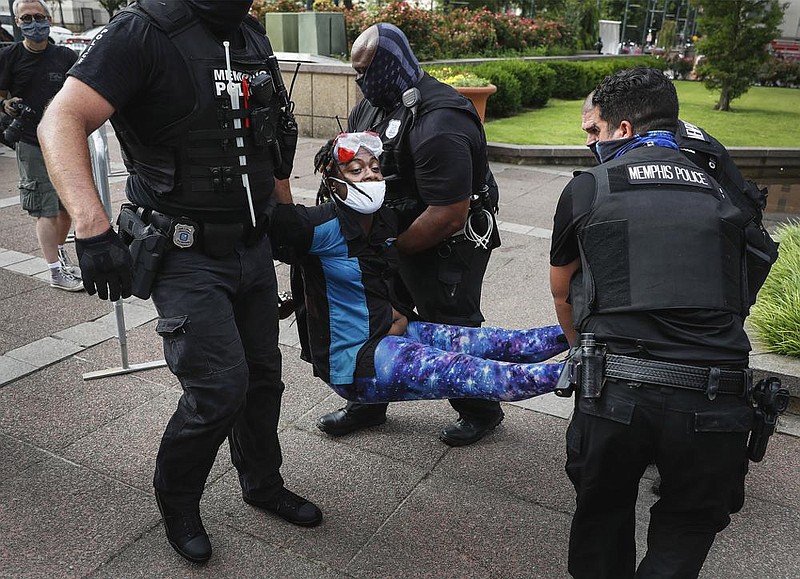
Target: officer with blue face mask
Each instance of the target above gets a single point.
(649, 275)
(31, 73)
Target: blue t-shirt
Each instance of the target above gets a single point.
(348, 276)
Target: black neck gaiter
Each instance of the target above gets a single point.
(222, 17)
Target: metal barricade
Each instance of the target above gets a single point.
(98, 151)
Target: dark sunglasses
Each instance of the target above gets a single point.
(28, 18)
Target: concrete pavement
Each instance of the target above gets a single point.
(77, 456)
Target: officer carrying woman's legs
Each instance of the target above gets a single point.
(648, 275)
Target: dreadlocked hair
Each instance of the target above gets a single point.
(324, 163)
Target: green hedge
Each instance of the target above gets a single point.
(576, 79)
(776, 313)
(536, 80)
(508, 98)
(530, 84)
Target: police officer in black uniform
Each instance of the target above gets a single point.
(648, 266)
(710, 155)
(202, 185)
(438, 181)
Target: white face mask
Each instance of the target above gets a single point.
(365, 197)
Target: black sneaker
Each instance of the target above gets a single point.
(466, 431)
(185, 532)
(290, 507)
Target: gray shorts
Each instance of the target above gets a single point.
(36, 193)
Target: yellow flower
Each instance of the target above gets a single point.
(449, 76)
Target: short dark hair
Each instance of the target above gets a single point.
(642, 96)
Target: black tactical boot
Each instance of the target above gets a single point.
(466, 431)
(185, 531)
(291, 507)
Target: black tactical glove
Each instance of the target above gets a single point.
(106, 265)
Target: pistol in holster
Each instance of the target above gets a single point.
(584, 369)
(147, 245)
(570, 378)
(771, 400)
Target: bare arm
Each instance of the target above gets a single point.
(437, 222)
(282, 191)
(74, 113)
(560, 277)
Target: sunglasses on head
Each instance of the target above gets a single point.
(28, 18)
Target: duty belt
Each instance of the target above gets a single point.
(712, 381)
(214, 239)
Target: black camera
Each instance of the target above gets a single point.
(23, 114)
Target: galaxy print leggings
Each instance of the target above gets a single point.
(437, 361)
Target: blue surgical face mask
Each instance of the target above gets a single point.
(35, 31)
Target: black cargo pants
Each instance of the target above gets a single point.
(219, 321)
(700, 448)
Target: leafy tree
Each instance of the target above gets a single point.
(666, 36)
(580, 15)
(734, 42)
(112, 6)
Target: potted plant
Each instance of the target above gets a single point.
(472, 86)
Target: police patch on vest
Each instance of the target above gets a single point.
(393, 128)
(183, 236)
(693, 132)
(666, 174)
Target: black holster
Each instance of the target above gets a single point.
(592, 367)
(147, 245)
(771, 400)
(569, 379)
(584, 370)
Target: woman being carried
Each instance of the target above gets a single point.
(360, 340)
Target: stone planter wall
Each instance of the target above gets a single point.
(325, 88)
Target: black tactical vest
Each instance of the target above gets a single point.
(661, 234)
(397, 163)
(193, 166)
(709, 154)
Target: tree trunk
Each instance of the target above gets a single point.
(724, 103)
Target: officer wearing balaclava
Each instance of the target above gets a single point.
(436, 166)
(173, 77)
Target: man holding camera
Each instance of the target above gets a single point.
(192, 88)
(31, 73)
